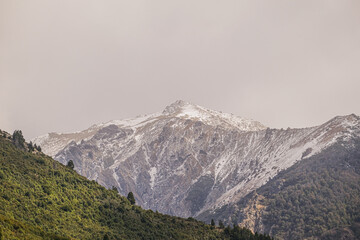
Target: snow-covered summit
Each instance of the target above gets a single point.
(187, 110)
(176, 107)
(188, 159)
(52, 143)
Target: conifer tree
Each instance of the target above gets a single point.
(31, 146)
(39, 148)
(131, 198)
(70, 164)
(18, 139)
(212, 223)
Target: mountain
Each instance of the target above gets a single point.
(42, 199)
(187, 159)
(52, 143)
(317, 198)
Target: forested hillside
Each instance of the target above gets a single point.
(318, 197)
(43, 199)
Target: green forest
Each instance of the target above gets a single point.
(317, 198)
(43, 199)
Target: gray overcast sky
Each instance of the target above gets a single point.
(67, 64)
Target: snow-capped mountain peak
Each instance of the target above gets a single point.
(182, 109)
(188, 159)
(52, 143)
(175, 107)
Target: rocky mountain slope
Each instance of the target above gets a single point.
(317, 198)
(43, 199)
(189, 159)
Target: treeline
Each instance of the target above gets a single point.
(19, 141)
(241, 233)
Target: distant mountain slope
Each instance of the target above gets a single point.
(42, 199)
(317, 198)
(189, 159)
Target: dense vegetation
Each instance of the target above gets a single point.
(318, 195)
(42, 199)
(317, 198)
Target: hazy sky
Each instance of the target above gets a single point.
(67, 64)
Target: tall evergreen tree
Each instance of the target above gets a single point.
(31, 146)
(18, 139)
(70, 164)
(131, 198)
(212, 223)
(38, 148)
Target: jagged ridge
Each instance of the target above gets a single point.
(188, 159)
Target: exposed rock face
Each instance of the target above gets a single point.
(189, 159)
